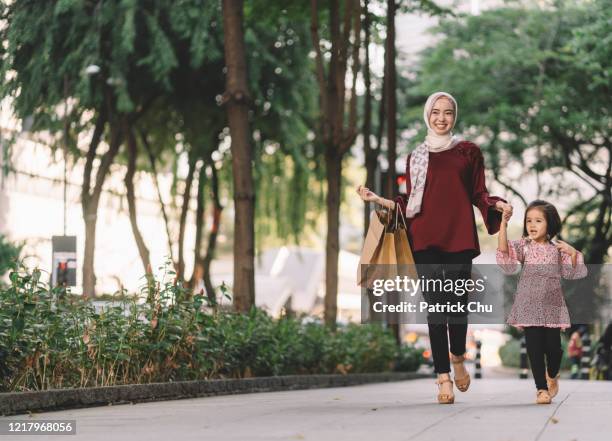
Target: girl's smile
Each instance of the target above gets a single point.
(536, 225)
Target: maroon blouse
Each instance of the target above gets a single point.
(455, 182)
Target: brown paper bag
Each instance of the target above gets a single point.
(405, 259)
(386, 252)
(371, 243)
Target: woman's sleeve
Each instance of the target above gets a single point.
(402, 199)
(568, 271)
(509, 261)
(480, 195)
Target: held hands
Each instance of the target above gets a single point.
(506, 210)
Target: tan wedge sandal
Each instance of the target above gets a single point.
(553, 385)
(543, 397)
(462, 383)
(445, 398)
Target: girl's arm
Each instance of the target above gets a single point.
(572, 261)
(502, 237)
(509, 254)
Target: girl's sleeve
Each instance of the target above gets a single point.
(509, 262)
(568, 271)
(402, 199)
(480, 195)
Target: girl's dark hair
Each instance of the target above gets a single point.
(553, 221)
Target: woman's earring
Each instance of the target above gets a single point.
(547, 236)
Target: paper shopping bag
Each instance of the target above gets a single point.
(371, 244)
(404, 257)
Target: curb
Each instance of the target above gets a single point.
(13, 403)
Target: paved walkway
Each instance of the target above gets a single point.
(493, 409)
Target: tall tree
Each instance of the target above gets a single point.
(371, 154)
(132, 148)
(236, 99)
(82, 59)
(335, 133)
(391, 101)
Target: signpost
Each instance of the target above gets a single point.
(64, 261)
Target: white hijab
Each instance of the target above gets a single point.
(435, 142)
(419, 160)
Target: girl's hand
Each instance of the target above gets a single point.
(367, 195)
(506, 209)
(566, 248)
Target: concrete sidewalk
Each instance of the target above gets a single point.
(493, 409)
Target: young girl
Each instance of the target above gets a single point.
(539, 307)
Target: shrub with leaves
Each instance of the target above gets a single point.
(50, 338)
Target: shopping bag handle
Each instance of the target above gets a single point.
(399, 214)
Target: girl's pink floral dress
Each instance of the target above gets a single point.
(539, 299)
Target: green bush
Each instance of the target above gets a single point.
(409, 359)
(52, 339)
(510, 353)
(9, 253)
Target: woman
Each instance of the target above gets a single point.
(444, 178)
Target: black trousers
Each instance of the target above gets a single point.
(544, 352)
(444, 327)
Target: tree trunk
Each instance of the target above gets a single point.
(390, 77)
(89, 277)
(237, 98)
(131, 199)
(333, 133)
(147, 147)
(332, 246)
(390, 81)
(180, 273)
(370, 158)
(90, 199)
(197, 249)
(212, 238)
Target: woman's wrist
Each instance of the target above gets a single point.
(385, 202)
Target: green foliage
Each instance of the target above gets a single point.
(52, 339)
(9, 253)
(510, 353)
(409, 359)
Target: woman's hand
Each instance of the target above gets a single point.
(566, 248)
(367, 195)
(506, 210)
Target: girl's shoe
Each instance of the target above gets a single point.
(462, 383)
(543, 397)
(553, 385)
(445, 398)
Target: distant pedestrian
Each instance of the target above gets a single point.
(539, 307)
(574, 352)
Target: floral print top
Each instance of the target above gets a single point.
(538, 300)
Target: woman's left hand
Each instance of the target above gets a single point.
(566, 248)
(506, 209)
